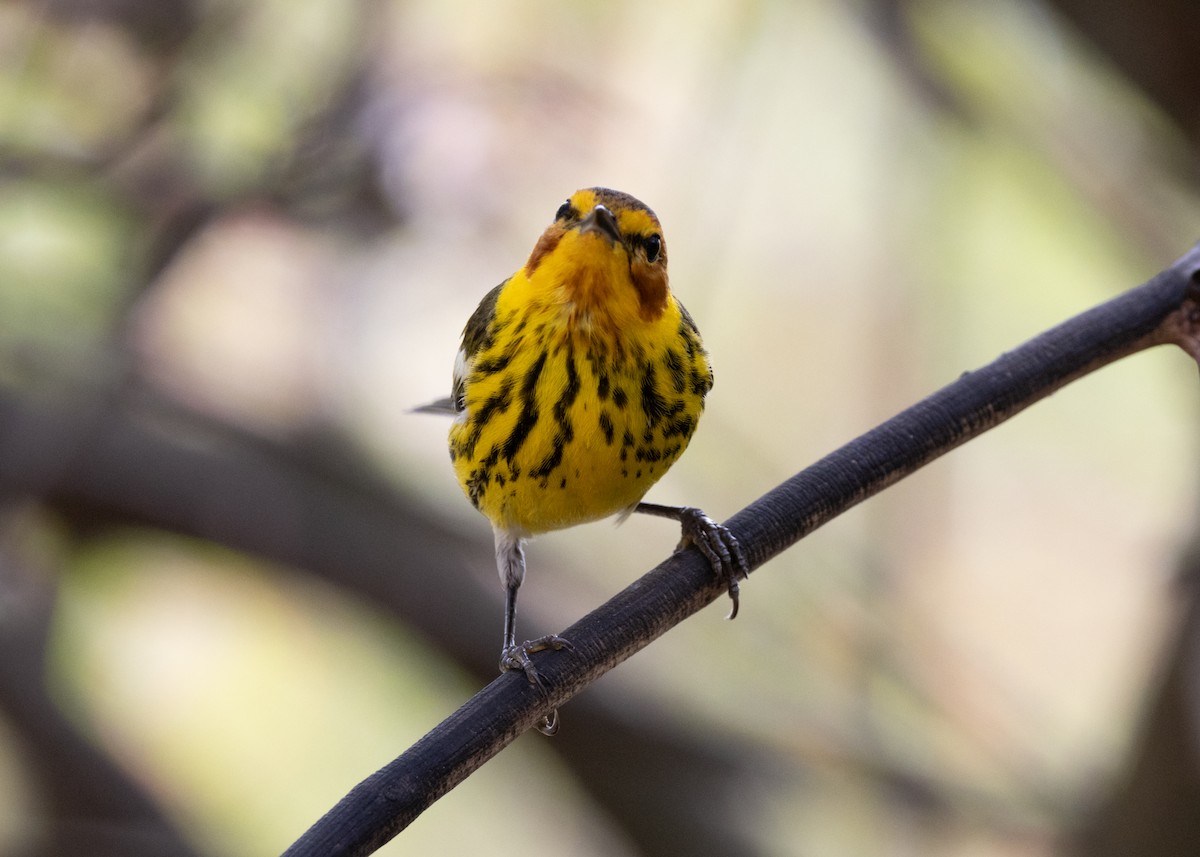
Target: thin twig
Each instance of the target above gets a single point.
(1165, 309)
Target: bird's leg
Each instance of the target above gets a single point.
(713, 540)
(510, 559)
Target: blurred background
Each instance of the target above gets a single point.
(238, 242)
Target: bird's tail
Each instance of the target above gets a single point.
(440, 406)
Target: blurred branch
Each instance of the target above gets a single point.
(161, 27)
(889, 21)
(1154, 44)
(89, 806)
(1164, 310)
(103, 460)
(1152, 807)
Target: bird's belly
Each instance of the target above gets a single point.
(564, 438)
(592, 482)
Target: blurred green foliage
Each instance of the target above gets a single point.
(277, 216)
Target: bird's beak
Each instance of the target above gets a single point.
(601, 220)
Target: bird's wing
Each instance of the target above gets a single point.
(476, 337)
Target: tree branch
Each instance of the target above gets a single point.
(1164, 310)
(105, 460)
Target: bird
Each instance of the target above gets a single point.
(579, 381)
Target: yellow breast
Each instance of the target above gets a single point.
(570, 418)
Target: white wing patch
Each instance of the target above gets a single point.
(462, 368)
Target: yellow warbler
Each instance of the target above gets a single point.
(580, 380)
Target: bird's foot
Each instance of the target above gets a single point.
(517, 657)
(719, 547)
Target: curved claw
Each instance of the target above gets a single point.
(719, 547)
(548, 725)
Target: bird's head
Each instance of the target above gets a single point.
(605, 256)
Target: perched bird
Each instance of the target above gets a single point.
(580, 380)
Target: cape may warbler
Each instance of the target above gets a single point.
(579, 382)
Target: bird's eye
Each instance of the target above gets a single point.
(653, 245)
(564, 210)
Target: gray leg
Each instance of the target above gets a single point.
(510, 560)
